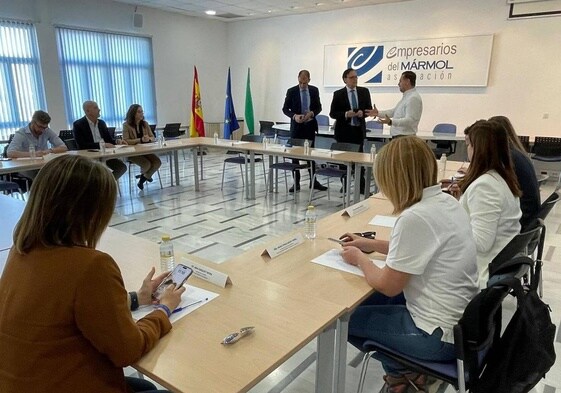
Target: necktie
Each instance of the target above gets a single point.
(354, 120)
(305, 105)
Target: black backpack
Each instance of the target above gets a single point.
(525, 351)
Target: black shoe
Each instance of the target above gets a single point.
(141, 182)
(291, 189)
(318, 186)
(138, 176)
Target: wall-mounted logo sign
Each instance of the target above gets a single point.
(452, 61)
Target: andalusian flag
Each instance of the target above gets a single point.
(249, 122)
(197, 127)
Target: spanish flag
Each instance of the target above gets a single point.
(197, 126)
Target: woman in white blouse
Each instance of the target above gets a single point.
(490, 193)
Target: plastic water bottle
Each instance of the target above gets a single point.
(215, 138)
(442, 166)
(306, 147)
(160, 139)
(102, 146)
(265, 142)
(167, 259)
(310, 222)
(373, 152)
(32, 152)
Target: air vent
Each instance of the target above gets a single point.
(229, 16)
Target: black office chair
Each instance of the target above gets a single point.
(9, 188)
(71, 144)
(444, 147)
(65, 134)
(153, 128)
(547, 149)
(240, 160)
(287, 166)
(330, 170)
(171, 130)
(22, 181)
(475, 334)
(525, 140)
(266, 128)
(111, 131)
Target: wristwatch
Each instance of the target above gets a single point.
(390, 122)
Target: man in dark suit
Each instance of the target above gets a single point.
(302, 105)
(90, 130)
(348, 108)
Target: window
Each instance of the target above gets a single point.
(21, 85)
(114, 70)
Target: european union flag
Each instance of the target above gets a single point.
(230, 119)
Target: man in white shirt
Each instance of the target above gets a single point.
(404, 118)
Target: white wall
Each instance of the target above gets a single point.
(524, 80)
(178, 42)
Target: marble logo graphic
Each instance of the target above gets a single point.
(365, 61)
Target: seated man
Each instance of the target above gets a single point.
(36, 134)
(90, 130)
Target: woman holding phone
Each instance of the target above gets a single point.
(137, 130)
(65, 321)
(430, 273)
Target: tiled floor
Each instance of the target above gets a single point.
(216, 224)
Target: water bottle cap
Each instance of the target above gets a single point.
(311, 207)
(166, 238)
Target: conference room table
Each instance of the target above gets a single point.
(373, 133)
(191, 357)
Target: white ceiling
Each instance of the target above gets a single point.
(234, 10)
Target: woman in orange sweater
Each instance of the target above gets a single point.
(65, 321)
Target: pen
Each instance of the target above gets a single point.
(368, 235)
(189, 305)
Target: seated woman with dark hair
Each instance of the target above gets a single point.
(65, 320)
(489, 192)
(137, 130)
(430, 273)
(530, 200)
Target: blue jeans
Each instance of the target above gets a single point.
(387, 321)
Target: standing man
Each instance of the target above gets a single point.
(302, 105)
(37, 134)
(90, 130)
(349, 107)
(404, 118)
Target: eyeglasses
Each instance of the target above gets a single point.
(352, 77)
(41, 126)
(232, 338)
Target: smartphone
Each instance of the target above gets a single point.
(336, 240)
(178, 277)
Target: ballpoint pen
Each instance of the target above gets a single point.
(189, 305)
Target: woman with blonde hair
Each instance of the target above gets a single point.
(430, 273)
(65, 320)
(137, 130)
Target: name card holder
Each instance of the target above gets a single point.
(207, 274)
(276, 147)
(355, 209)
(287, 245)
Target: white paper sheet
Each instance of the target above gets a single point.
(334, 260)
(383, 221)
(192, 294)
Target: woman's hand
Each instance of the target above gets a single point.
(145, 139)
(455, 190)
(362, 243)
(171, 297)
(149, 286)
(353, 256)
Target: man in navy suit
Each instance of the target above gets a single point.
(349, 109)
(90, 130)
(302, 105)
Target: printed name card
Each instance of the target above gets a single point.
(356, 209)
(276, 147)
(323, 152)
(128, 149)
(225, 142)
(206, 273)
(285, 246)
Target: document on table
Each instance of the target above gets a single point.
(383, 221)
(190, 296)
(334, 260)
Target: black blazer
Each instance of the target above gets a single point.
(84, 137)
(344, 132)
(293, 106)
